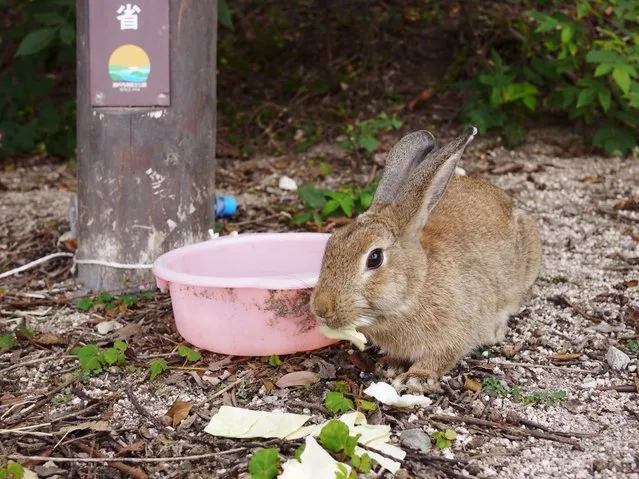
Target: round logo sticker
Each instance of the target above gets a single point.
(129, 63)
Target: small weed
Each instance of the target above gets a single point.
(546, 397)
(242, 391)
(362, 135)
(189, 354)
(325, 168)
(444, 439)
(24, 333)
(335, 402)
(308, 139)
(264, 464)
(13, 470)
(112, 305)
(157, 367)
(365, 405)
(92, 359)
(320, 204)
(334, 437)
(62, 398)
(274, 360)
(633, 346)
(491, 384)
(341, 386)
(7, 342)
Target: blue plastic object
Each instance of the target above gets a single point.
(225, 206)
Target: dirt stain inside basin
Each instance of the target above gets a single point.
(291, 306)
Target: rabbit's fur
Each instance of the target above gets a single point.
(459, 259)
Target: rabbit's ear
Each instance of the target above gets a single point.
(427, 185)
(405, 156)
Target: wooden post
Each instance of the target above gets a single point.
(145, 155)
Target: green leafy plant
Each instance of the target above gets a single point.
(13, 470)
(189, 354)
(264, 464)
(492, 385)
(633, 346)
(580, 60)
(92, 359)
(157, 367)
(62, 397)
(38, 107)
(112, 305)
(365, 405)
(444, 439)
(335, 402)
(320, 203)
(242, 390)
(7, 342)
(274, 360)
(362, 135)
(335, 437)
(546, 397)
(224, 14)
(501, 101)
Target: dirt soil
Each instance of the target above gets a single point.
(552, 404)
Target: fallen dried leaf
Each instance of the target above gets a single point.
(50, 339)
(7, 399)
(178, 411)
(135, 447)
(472, 385)
(268, 385)
(326, 369)
(127, 332)
(564, 356)
(217, 365)
(362, 361)
(631, 204)
(631, 283)
(593, 180)
(93, 425)
(297, 378)
(631, 316)
(424, 95)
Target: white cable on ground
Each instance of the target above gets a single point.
(98, 262)
(35, 263)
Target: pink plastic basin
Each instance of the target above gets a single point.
(246, 295)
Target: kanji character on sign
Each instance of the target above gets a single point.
(128, 16)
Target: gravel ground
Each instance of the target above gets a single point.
(556, 407)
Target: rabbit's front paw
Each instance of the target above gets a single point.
(419, 382)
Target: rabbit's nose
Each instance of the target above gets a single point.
(323, 305)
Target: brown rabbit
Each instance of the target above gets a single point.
(434, 268)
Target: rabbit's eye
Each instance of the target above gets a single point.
(375, 259)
